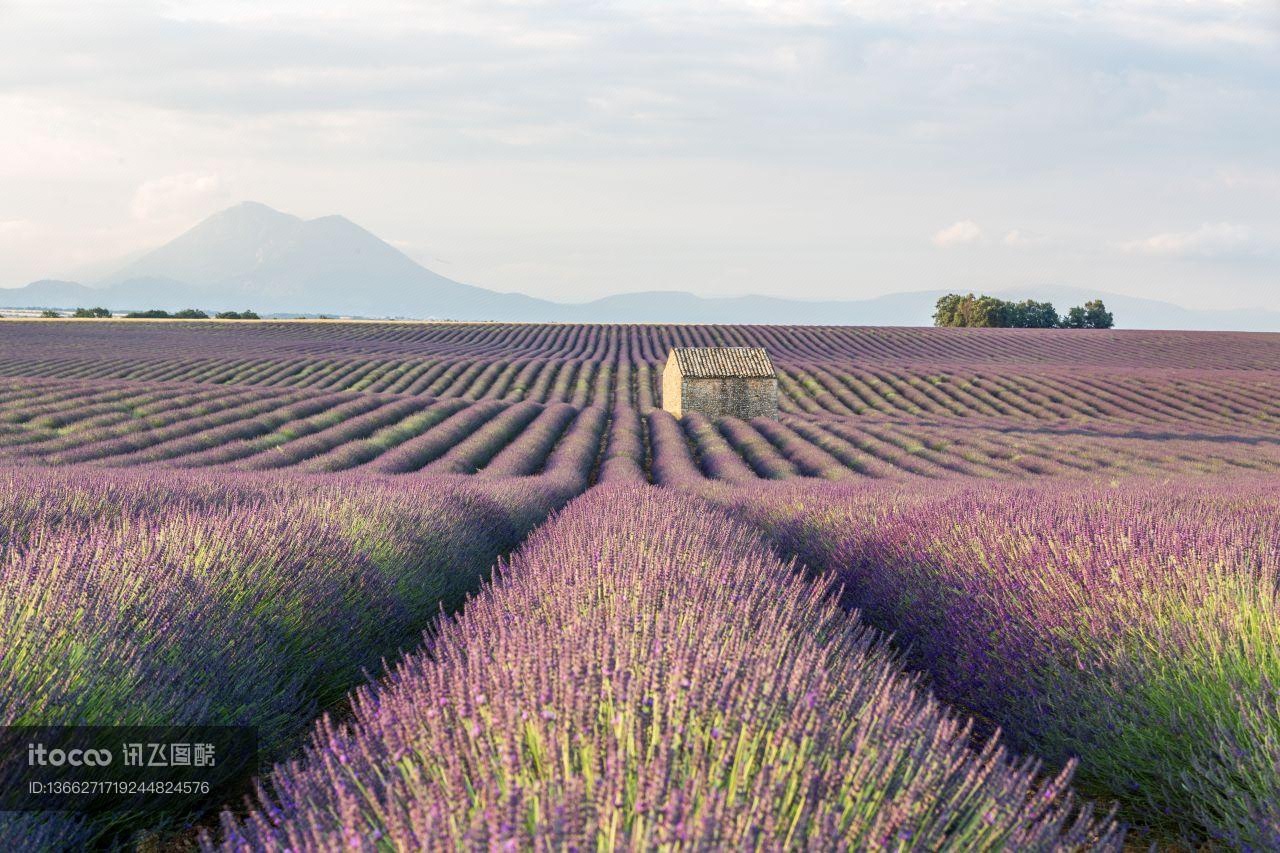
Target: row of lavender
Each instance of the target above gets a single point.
(809, 388)
(194, 347)
(1136, 627)
(158, 598)
(260, 430)
(730, 450)
(646, 673)
(266, 429)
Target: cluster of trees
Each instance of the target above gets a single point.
(1092, 315)
(157, 314)
(989, 312)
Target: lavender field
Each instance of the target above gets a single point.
(474, 588)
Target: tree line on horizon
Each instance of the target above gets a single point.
(969, 311)
(953, 310)
(154, 314)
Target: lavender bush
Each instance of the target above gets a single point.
(634, 683)
(229, 600)
(278, 591)
(624, 456)
(1136, 627)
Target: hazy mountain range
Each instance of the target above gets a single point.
(251, 256)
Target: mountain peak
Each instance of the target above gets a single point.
(254, 211)
(252, 254)
(228, 243)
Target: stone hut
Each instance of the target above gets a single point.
(719, 381)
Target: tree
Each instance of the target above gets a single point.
(1033, 315)
(190, 314)
(1093, 315)
(1096, 315)
(1073, 319)
(986, 312)
(152, 314)
(947, 310)
(970, 311)
(50, 313)
(91, 312)
(246, 314)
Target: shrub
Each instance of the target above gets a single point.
(1135, 627)
(163, 599)
(634, 683)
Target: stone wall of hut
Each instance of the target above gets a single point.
(739, 397)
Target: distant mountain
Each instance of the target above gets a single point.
(49, 293)
(240, 243)
(899, 309)
(907, 309)
(251, 256)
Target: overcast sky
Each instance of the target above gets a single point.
(569, 150)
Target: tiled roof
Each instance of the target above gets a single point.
(720, 362)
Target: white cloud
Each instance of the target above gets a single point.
(962, 233)
(174, 195)
(1221, 239)
(1020, 239)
